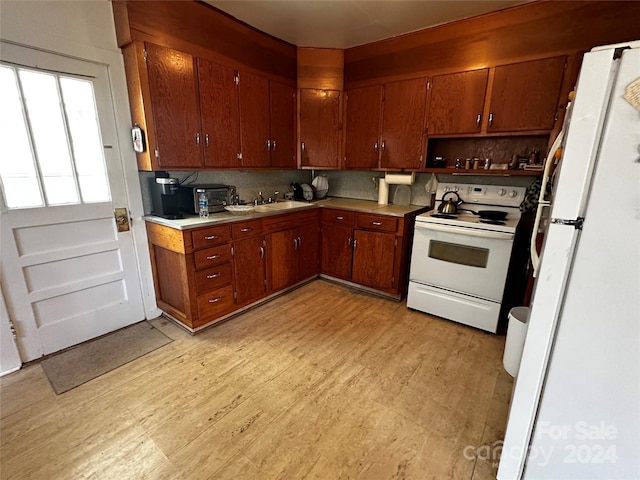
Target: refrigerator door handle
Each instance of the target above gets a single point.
(577, 223)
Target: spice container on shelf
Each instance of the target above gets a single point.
(476, 163)
(467, 163)
(458, 163)
(487, 163)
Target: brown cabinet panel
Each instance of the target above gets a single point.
(320, 128)
(220, 115)
(373, 259)
(342, 217)
(214, 304)
(207, 237)
(377, 222)
(308, 250)
(403, 123)
(213, 278)
(283, 126)
(254, 120)
(457, 102)
(246, 229)
(212, 256)
(364, 108)
(337, 242)
(525, 95)
(282, 259)
(249, 269)
(176, 112)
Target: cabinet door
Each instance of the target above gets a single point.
(220, 116)
(283, 125)
(282, 259)
(254, 120)
(373, 259)
(403, 123)
(176, 112)
(320, 128)
(457, 102)
(337, 241)
(364, 108)
(525, 95)
(249, 269)
(308, 250)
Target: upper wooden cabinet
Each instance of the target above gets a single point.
(457, 102)
(220, 116)
(176, 113)
(385, 125)
(319, 128)
(524, 96)
(267, 122)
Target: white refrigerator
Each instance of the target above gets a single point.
(575, 409)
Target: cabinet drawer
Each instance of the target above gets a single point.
(212, 256)
(338, 216)
(208, 237)
(246, 229)
(377, 222)
(214, 304)
(213, 278)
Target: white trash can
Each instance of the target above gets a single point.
(516, 333)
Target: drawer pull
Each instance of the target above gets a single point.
(246, 229)
(214, 300)
(214, 275)
(377, 224)
(339, 218)
(213, 257)
(211, 237)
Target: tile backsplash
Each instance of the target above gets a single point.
(342, 183)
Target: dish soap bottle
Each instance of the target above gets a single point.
(203, 204)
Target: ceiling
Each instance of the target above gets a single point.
(347, 23)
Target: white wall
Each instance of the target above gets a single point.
(85, 29)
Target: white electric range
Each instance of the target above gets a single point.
(459, 263)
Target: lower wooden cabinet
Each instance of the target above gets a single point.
(367, 249)
(202, 275)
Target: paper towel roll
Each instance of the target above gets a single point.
(400, 178)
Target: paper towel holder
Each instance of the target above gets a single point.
(393, 179)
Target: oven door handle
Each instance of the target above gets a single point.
(471, 232)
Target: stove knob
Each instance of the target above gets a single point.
(513, 194)
(502, 192)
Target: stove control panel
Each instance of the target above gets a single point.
(498, 195)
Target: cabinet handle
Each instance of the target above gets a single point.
(268, 144)
(377, 224)
(214, 300)
(197, 138)
(490, 119)
(211, 237)
(478, 120)
(261, 253)
(246, 229)
(273, 145)
(302, 147)
(355, 243)
(213, 257)
(295, 243)
(375, 146)
(206, 139)
(299, 242)
(339, 217)
(214, 275)
(383, 146)
(349, 241)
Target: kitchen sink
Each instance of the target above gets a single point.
(286, 205)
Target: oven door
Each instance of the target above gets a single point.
(466, 260)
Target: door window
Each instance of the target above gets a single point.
(50, 145)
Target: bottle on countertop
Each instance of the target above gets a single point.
(203, 204)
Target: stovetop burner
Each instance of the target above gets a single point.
(491, 222)
(444, 215)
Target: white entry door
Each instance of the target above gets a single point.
(68, 274)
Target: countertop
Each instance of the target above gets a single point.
(364, 206)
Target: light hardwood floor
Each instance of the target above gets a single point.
(321, 383)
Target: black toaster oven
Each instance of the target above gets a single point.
(218, 195)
